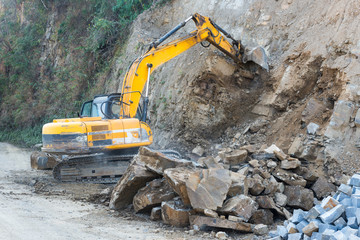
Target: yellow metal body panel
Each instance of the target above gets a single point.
(87, 136)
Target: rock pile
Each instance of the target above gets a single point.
(336, 217)
(240, 189)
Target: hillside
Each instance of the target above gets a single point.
(61, 52)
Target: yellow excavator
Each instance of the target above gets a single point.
(97, 146)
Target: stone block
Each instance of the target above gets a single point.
(153, 194)
(357, 214)
(236, 157)
(174, 213)
(346, 202)
(155, 213)
(301, 225)
(344, 188)
(298, 216)
(349, 231)
(207, 189)
(299, 197)
(328, 203)
(295, 236)
(291, 228)
(328, 233)
(317, 236)
(261, 229)
(355, 180)
(353, 237)
(324, 227)
(202, 221)
(314, 212)
(350, 212)
(340, 223)
(338, 236)
(352, 222)
(323, 188)
(341, 196)
(282, 231)
(241, 206)
(310, 228)
(333, 214)
(135, 177)
(264, 216)
(355, 200)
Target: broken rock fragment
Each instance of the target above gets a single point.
(298, 196)
(256, 186)
(264, 216)
(135, 177)
(152, 195)
(241, 206)
(174, 213)
(236, 157)
(207, 189)
(158, 162)
(239, 184)
(289, 177)
(202, 221)
(290, 164)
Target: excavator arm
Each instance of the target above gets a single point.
(138, 74)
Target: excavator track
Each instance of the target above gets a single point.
(98, 168)
(92, 168)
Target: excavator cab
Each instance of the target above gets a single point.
(104, 106)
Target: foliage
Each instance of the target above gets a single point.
(51, 62)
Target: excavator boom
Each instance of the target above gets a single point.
(139, 71)
(108, 132)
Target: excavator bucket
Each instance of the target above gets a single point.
(256, 55)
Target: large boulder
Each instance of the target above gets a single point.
(207, 189)
(135, 177)
(152, 195)
(300, 197)
(323, 188)
(241, 206)
(177, 177)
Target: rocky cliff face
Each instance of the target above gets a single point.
(202, 98)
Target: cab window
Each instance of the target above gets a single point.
(86, 109)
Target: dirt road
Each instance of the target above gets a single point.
(34, 206)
